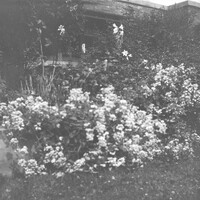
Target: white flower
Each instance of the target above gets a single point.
(31, 167)
(121, 27)
(144, 62)
(38, 126)
(86, 124)
(112, 117)
(59, 174)
(77, 95)
(14, 141)
(116, 29)
(125, 53)
(79, 163)
(60, 138)
(61, 29)
(90, 137)
(121, 33)
(55, 155)
(120, 127)
(23, 150)
(83, 48)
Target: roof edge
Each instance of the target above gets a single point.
(183, 4)
(160, 6)
(144, 4)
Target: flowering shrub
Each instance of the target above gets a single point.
(103, 129)
(86, 134)
(172, 94)
(173, 91)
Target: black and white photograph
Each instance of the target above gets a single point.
(99, 99)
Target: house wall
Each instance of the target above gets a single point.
(118, 7)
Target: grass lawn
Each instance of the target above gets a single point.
(153, 182)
